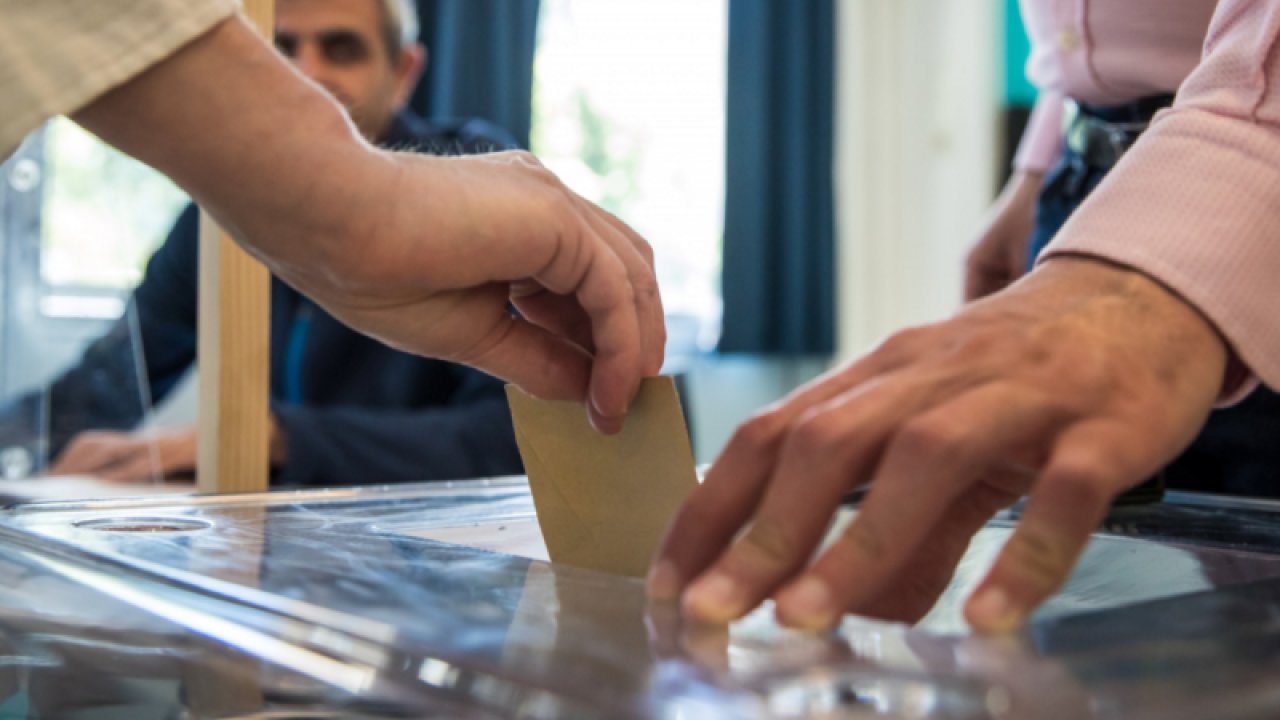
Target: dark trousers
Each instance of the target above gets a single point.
(1238, 451)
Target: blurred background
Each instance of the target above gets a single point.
(810, 175)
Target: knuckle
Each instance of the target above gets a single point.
(644, 287)
(767, 544)
(763, 429)
(1038, 559)
(1085, 482)
(864, 538)
(930, 437)
(816, 433)
(901, 344)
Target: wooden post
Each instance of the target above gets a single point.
(234, 350)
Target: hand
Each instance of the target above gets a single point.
(423, 253)
(590, 313)
(1073, 385)
(123, 457)
(999, 256)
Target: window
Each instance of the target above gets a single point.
(103, 216)
(629, 112)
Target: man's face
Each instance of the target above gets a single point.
(340, 45)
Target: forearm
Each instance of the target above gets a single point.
(236, 127)
(423, 253)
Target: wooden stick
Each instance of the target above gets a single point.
(234, 350)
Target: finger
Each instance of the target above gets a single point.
(560, 314)
(652, 317)
(831, 449)
(586, 266)
(718, 508)
(930, 461)
(643, 285)
(137, 468)
(715, 511)
(934, 562)
(1090, 465)
(541, 362)
(87, 453)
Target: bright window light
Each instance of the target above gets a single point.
(629, 112)
(104, 213)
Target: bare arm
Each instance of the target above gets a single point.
(423, 253)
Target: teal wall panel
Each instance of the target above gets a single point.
(1017, 90)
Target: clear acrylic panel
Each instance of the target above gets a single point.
(78, 222)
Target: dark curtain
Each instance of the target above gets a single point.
(480, 61)
(779, 278)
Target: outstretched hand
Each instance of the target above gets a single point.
(1073, 385)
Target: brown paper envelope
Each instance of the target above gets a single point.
(604, 502)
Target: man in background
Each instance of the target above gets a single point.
(345, 409)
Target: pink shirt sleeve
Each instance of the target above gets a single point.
(1195, 203)
(1042, 140)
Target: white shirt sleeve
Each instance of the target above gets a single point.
(57, 56)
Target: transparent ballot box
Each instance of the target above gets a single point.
(431, 601)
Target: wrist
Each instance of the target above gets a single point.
(1026, 183)
(1118, 294)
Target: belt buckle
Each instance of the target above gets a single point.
(1098, 142)
(1118, 139)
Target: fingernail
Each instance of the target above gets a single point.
(807, 604)
(663, 582)
(715, 599)
(604, 423)
(992, 611)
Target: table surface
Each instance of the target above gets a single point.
(436, 600)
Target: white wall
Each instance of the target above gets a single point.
(917, 133)
(917, 119)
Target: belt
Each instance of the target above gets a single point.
(1099, 136)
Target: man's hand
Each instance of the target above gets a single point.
(999, 256)
(137, 457)
(1073, 385)
(448, 243)
(422, 253)
(125, 457)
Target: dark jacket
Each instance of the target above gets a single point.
(354, 411)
